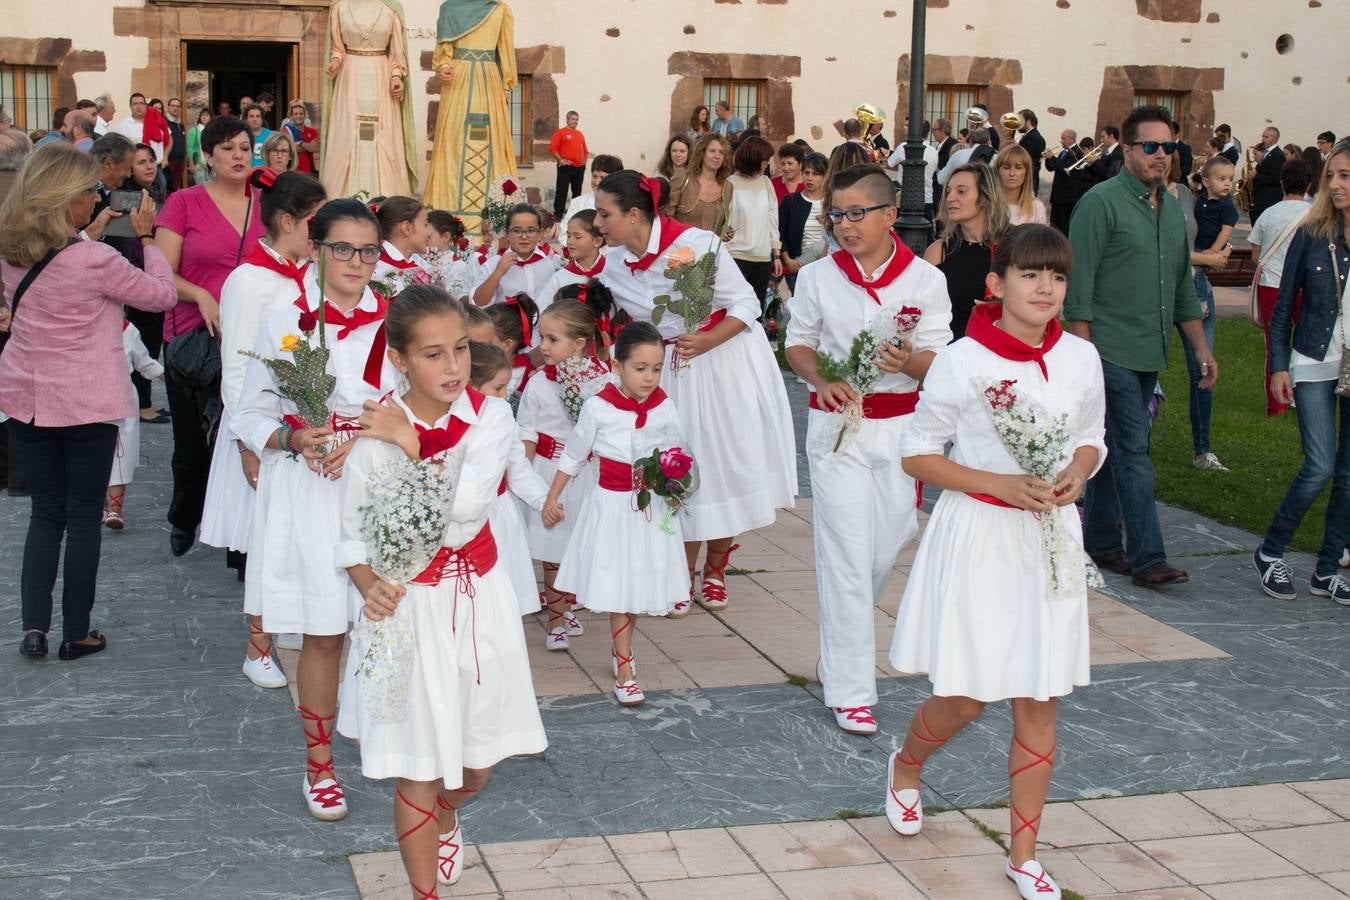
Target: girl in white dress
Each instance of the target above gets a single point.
(470, 698)
(586, 259)
(524, 266)
(568, 331)
(513, 326)
(128, 455)
(979, 615)
(293, 582)
(520, 485)
(405, 235)
(621, 560)
(721, 375)
(268, 281)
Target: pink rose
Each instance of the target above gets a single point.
(422, 277)
(675, 463)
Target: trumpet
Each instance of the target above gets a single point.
(1051, 152)
(1088, 159)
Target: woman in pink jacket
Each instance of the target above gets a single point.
(63, 376)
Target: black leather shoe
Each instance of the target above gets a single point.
(1160, 574)
(1116, 562)
(180, 541)
(34, 644)
(74, 650)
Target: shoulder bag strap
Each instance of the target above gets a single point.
(31, 275)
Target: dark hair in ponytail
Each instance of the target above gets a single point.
(514, 319)
(394, 211)
(446, 223)
(486, 362)
(291, 193)
(625, 187)
(410, 306)
(634, 335)
(335, 211)
(596, 297)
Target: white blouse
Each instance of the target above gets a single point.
(519, 279)
(542, 410)
(250, 297)
(607, 431)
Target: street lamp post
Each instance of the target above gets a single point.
(913, 224)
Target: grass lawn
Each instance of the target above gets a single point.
(1262, 452)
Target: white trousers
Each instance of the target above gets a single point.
(864, 514)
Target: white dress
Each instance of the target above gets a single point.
(732, 404)
(293, 582)
(128, 455)
(251, 296)
(976, 615)
(471, 699)
(524, 496)
(568, 275)
(525, 277)
(619, 559)
(542, 414)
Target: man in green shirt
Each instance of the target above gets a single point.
(1131, 283)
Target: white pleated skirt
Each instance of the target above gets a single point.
(549, 544)
(293, 581)
(127, 456)
(470, 699)
(621, 561)
(227, 515)
(976, 615)
(734, 412)
(513, 550)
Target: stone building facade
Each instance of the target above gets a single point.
(636, 68)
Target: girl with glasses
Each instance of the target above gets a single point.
(294, 583)
(524, 266)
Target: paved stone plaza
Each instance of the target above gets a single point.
(1207, 759)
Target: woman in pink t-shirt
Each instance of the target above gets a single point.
(202, 233)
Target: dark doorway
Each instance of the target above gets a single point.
(221, 71)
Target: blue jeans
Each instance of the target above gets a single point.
(1123, 489)
(1202, 401)
(1326, 457)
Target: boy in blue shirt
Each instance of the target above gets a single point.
(1215, 216)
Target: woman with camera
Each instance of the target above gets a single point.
(63, 376)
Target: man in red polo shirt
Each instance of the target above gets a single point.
(568, 147)
(306, 138)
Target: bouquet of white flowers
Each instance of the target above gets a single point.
(860, 370)
(404, 524)
(579, 379)
(1038, 441)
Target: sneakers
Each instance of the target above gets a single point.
(1276, 579)
(1333, 586)
(904, 808)
(450, 849)
(1208, 462)
(556, 639)
(855, 719)
(288, 641)
(573, 624)
(1032, 881)
(263, 673)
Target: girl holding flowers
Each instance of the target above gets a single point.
(468, 700)
(549, 410)
(267, 282)
(996, 604)
(405, 237)
(315, 363)
(720, 372)
(620, 559)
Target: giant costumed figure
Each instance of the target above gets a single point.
(475, 60)
(368, 143)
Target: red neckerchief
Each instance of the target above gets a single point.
(900, 261)
(670, 230)
(586, 273)
(551, 371)
(434, 441)
(617, 399)
(522, 361)
(982, 330)
(264, 260)
(346, 322)
(402, 264)
(540, 253)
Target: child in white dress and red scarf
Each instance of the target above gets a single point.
(293, 582)
(524, 266)
(996, 603)
(622, 560)
(405, 237)
(469, 696)
(864, 503)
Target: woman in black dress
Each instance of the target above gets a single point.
(974, 217)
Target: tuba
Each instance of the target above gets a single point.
(1012, 123)
(869, 114)
(1245, 193)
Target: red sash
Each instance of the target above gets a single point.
(548, 447)
(900, 261)
(477, 556)
(670, 230)
(881, 406)
(991, 500)
(336, 421)
(614, 475)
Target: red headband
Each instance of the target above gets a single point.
(653, 187)
(263, 177)
(581, 292)
(525, 330)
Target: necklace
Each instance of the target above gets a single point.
(365, 31)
